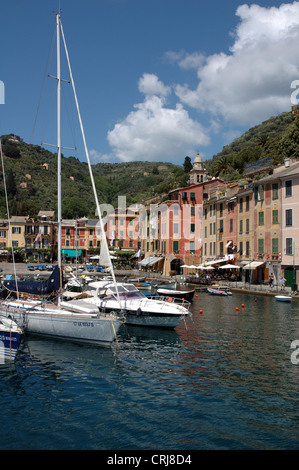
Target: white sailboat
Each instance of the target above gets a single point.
(46, 318)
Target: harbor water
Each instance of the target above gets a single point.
(226, 379)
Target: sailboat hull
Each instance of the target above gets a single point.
(9, 344)
(56, 323)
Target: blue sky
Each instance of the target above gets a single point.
(156, 79)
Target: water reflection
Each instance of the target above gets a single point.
(222, 380)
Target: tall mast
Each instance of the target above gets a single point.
(59, 216)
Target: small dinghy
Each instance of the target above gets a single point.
(283, 298)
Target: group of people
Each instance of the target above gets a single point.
(282, 281)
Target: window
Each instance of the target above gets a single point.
(206, 232)
(247, 203)
(184, 196)
(275, 191)
(247, 225)
(192, 210)
(175, 246)
(241, 248)
(231, 225)
(16, 230)
(261, 218)
(192, 247)
(221, 210)
(247, 249)
(221, 248)
(192, 196)
(230, 207)
(275, 245)
(241, 205)
(221, 226)
(258, 192)
(275, 217)
(2, 234)
(175, 228)
(289, 217)
(289, 246)
(241, 226)
(211, 229)
(260, 246)
(288, 185)
(192, 228)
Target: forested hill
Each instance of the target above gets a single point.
(278, 138)
(31, 171)
(31, 180)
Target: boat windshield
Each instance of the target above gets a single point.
(127, 292)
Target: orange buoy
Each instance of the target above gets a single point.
(243, 305)
(200, 311)
(169, 299)
(196, 295)
(237, 308)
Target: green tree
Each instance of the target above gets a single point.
(187, 165)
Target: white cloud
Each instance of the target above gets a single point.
(243, 87)
(154, 132)
(253, 81)
(150, 85)
(97, 157)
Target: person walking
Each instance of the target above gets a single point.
(271, 280)
(282, 283)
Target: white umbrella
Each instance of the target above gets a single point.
(229, 266)
(208, 267)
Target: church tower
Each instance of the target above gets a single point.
(198, 173)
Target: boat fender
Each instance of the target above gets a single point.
(169, 299)
(138, 312)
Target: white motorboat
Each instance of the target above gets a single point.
(10, 339)
(283, 298)
(219, 290)
(46, 318)
(178, 294)
(138, 309)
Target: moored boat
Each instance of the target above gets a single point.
(222, 291)
(283, 298)
(10, 339)
(178, 294)
(48, 318)
(138, 309)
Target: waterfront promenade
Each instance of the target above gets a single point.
(22, 269)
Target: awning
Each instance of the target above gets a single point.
(253, 265)
(150, 260)
(229, 266)
(71, 253)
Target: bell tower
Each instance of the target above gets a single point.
(198, 173)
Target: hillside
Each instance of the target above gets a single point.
(277, 137)
(31, 171)
(31, 180)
